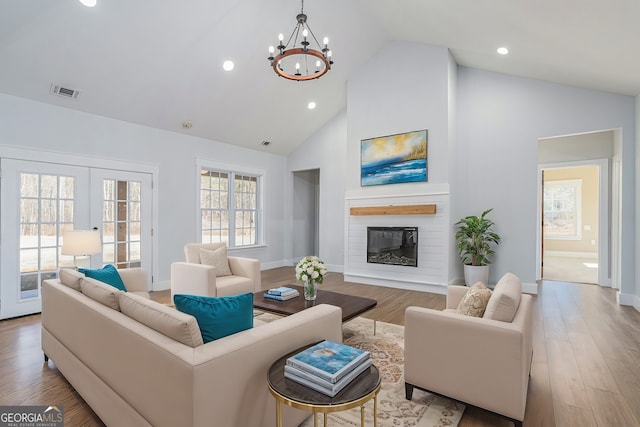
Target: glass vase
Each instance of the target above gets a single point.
(310, 290)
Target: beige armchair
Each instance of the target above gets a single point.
(479, 361)
(194, 278)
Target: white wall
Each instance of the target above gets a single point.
(404, 87)
(500, 120)
(33, 125)
(326, 151)
(486, 151)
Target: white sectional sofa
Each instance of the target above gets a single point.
(155, 371)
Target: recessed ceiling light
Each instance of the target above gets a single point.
(88, 3)
(228, 65)
(311, 105)
(503, 50)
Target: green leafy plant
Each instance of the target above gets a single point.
(475, 236)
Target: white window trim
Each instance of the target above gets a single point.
(238, 170)
(577, 183)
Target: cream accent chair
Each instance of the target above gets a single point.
(193, 278)
(479, 361)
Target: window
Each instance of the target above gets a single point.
(562, 207)
(229, 207)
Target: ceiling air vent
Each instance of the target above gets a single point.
(64, 92)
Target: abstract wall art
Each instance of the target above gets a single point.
(394, 159)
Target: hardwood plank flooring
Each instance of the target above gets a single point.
(585, 372)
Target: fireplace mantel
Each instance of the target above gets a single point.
(394, 210)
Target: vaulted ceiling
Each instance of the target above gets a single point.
(159, 62)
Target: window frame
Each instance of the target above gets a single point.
(577, 185)
(232, 171)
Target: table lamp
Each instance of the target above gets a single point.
(81, 243)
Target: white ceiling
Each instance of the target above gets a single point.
(159, 62)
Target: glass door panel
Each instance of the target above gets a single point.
(125, 198)
(39, 202)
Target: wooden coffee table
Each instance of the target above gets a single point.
(351, 306)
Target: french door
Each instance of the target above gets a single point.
(40, 201)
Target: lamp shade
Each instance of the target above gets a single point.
(81, 242)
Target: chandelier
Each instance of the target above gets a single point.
(304, 62)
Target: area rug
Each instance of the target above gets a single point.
(387, 352)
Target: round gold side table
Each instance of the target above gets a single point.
(361, 390)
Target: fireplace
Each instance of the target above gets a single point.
(392, 245)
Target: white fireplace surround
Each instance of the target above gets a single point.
(431, 274)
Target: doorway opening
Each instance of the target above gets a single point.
(306, 213)
(570, 224)
(578, 209)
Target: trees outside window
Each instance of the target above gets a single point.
(229, 207)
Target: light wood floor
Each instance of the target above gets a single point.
(586, 362)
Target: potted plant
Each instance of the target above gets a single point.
(474, 237)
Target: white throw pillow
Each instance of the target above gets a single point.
(505, 299)
(218, 259)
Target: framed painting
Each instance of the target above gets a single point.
(394, 159)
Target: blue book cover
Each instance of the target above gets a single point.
(280, 297)
(281, 290)
(329, 360)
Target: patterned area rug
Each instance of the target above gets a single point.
(387, 352)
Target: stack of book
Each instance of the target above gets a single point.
(281, 294)
(327, 367)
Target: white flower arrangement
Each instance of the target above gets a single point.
(310, 268)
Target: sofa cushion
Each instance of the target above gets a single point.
(218, 317)
(505, 299)
(474, 301)
(168, 321)
(101, 292)
(107, 274)
(216, 258)
(71, 278)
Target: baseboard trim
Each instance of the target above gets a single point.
(162, 285)
(530, 288)
(628, 299)
(396, 284)
(273, 264)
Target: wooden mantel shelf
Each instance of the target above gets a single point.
(394, 210)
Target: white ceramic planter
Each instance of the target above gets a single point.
(476, 273)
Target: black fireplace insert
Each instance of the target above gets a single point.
(393, 245)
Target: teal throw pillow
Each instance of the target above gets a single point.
(218, 317)
(107, 274)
